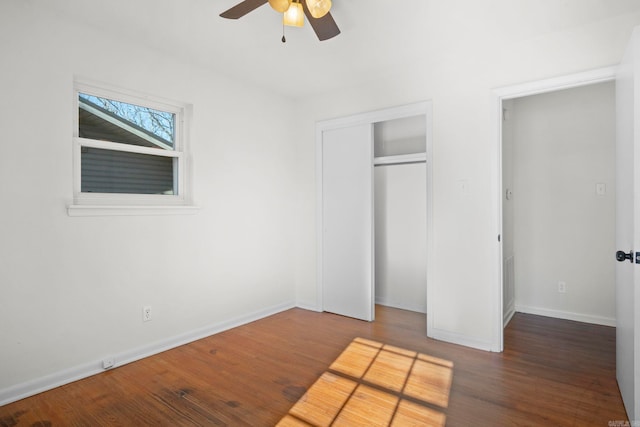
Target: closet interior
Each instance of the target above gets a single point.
(400, 213)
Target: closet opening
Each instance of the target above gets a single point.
(400, 212)
(374, 213)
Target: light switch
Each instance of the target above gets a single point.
(463, 184)
(601, 189)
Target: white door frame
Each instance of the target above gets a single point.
(498, 95)
(410, 110)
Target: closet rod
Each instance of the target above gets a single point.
(400, 159)
(399, 163)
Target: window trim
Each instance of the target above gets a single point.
(132, 204)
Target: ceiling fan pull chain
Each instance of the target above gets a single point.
(284, 40)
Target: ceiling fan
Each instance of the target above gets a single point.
(316, 11)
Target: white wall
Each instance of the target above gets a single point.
(72, 288)
(563, 145)
(401, 236)
(467, 52)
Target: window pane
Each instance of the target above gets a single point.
(115, 121)
(108, 171)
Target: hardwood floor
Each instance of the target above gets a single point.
(552, 373)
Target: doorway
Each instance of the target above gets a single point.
(507, 268)
(558, 169)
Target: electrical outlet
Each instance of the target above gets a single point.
(562, 287)
(108, 363)
(146, 313)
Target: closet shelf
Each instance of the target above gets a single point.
(400, 159)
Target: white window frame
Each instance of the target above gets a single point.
(85, 204)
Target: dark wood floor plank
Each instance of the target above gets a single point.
(552, 372)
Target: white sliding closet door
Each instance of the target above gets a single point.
(347, 221)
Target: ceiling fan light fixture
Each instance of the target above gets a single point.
(280, 6)
(318, 8)
(294, 16)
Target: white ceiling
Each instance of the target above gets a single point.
(379, 37)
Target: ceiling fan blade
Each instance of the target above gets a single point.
(242, 8)
(325, 27)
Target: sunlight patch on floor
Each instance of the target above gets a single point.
(374, 384)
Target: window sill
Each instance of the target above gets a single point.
(94, 210)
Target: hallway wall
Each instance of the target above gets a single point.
(563, 230)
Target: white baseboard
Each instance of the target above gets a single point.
(455, 338)
(508, 314)
(386, 302)
(30, 388)
(308, 306)
(578, 317)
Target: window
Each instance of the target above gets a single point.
(129, 149)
